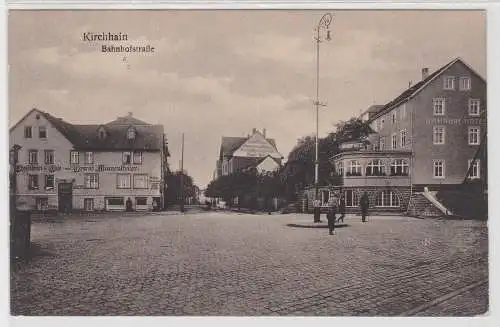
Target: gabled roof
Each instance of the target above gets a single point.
(415, 89)
(230, 144)
(85, 137)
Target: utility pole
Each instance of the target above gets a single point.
(324, 23)
(182, 176)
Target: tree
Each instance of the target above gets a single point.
(173, 191)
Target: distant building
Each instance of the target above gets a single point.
(370, 112)
(253, 151)
(431, 136)
(64, 166)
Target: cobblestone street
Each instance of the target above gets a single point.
(237, 264)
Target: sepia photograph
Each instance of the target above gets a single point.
(318, 163)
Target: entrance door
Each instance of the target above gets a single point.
(65, 192)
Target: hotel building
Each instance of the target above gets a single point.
(114, 166)
(430, 136)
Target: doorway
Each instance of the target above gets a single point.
(65, 195)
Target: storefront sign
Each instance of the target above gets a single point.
(455, 121)
(38, 168)
(102, 168)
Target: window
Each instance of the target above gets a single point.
(88, 204)
(449, 83)
(439, 106)
(141, 181)
(28, 132)
(382, 143)
(131, 133)
(141, 201)
(33, 156)
(403, 111)
(393, 117)
(137, 158)
(115, 201)
(351, 198)
(375, 168)
(91, 180)
(378, 125)
(49, 182)
(89, 158)
(127, 158)
(75, 157)
(474, 171)
(354, 168)
(49, 157)
(474, 135)
(42, 132)
(438, 134)
(340, 168)
(438, 169)
(474, 107)
(382, 122)
(464, 83)
(387, 199)
(123, 181)
(399, 167)
(403, 138)
(394, 141)
(33, 182)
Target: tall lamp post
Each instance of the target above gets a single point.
(322, 27)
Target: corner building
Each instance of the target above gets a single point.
(433, 135)
(65, 167)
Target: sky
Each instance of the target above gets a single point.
(223, 73)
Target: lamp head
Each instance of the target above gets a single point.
(328, 37)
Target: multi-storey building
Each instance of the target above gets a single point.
(113, 166)
(255, 150)
(429, 136)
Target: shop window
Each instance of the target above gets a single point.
(141, 201)
(42, 203)
(115, 201)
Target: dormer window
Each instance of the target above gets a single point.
(101, 133)
(131, 133)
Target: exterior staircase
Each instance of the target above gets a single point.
(420, 206)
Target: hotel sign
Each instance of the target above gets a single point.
(38, 168)
(456, 121)
(102, 168)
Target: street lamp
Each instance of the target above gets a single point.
(323, 26)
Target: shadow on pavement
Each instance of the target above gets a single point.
(316, 225)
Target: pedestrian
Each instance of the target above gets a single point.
(332, 211)
(317, 211)
(364, 203)
(341, 208)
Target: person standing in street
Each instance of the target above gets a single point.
(364, 203)
(332, 211)
(341, 208)
(317, 211)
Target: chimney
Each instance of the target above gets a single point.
(425, 73)
(254, 130)
(264, 132)
(409, 84)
